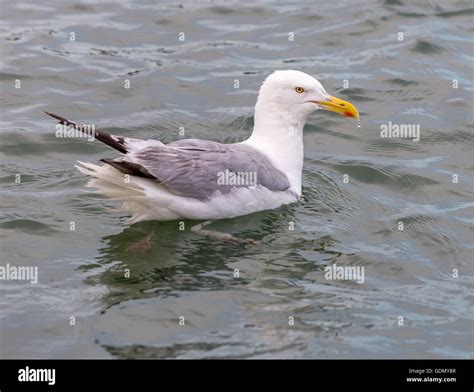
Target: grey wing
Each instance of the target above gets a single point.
(196, 168)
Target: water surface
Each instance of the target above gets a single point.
(354, 49)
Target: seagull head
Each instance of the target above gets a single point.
(300, 94)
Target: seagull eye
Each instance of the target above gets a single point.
(299, 90)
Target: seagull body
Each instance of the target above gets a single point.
(185, 179)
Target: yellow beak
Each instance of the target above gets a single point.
(340, 106)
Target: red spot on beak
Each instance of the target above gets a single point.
(348, 114)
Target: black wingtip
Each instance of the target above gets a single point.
(104, 137)
(131, 168)
(52, 114)
(61, 119)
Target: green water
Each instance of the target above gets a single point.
(280, 305)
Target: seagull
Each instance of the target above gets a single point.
(206, 180)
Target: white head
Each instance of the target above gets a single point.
(297, 94)
(284, 102)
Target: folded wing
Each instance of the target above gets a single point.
(192, 168)
(198, 168)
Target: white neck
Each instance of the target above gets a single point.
(278, 133)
